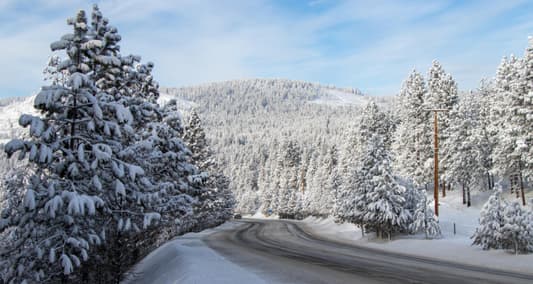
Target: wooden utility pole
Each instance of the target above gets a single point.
(521, 183)
(436, 158)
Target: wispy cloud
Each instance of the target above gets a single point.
(369, 45)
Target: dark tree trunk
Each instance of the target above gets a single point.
(468, 196)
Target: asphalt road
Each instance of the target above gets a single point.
(283, 252)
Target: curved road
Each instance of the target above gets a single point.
(284, 252)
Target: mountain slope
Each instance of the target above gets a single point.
(247, 122)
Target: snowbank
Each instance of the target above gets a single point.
(259, 215)
(187, 259)
(452, 247)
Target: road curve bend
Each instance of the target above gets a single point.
(283, 252)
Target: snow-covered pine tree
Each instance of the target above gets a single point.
(525, 148)
(87, 182)
(332, 182)
(507, 123)
(275, 186)
(352, 201)
(267, 186)
(172, 171)
(488, 234)
(128, 86)
(465, 137)
(383, 207)
(107, 62)
(75, 146)
(442, 94)
(412, 142)
(485, 131)
(351, 198)
(516, 232)
(311, 188)
(52, 73)
(215, 200)
(424, 219)
(288, 198)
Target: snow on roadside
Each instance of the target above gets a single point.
(259, 215)
(452, 247)
(187, 259)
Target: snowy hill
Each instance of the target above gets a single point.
(264, 92)
(233, 96)
(244, 119)
(10, 110)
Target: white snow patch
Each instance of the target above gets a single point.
(259, 215)
(9, 117)
(337, 97)
(183, 104)
(187, 259)
(451, 247)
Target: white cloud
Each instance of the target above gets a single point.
(371, 45)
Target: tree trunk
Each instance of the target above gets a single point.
(516, 187)
(443, 189)
(425, 217)
(488, 181)
(468, 196)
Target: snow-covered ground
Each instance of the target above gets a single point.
(337, 97)
(453, 247)
(182, 104)
(187, 259)
(9, 115)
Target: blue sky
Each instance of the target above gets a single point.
(370, 45)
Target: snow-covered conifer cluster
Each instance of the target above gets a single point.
(109, 175)
(504, 225)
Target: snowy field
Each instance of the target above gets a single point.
(453, 247)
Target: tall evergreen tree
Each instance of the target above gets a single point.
(442, 94)
(383, 206)
(75, 146)
(216, 201)
(424, 219)
(465, 162)
(506, 159)
(412, 146)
